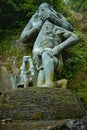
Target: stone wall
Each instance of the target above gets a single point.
(40, 104)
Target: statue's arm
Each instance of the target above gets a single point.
(65, 24)
(27, 34)
(56, 18)
(70, 40)
(31, 29)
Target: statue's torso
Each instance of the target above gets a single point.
(48, 37)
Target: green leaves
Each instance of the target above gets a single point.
(78, 5)
(15, 12)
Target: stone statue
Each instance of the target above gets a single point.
(26, 76)
(50, 34)
(44, 12)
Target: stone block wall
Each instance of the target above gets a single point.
(40, 104)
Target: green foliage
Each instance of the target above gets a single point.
(7, 47)
(75, 69)
(76, 61)
(14, 13)
(82, 94)
(78, 5)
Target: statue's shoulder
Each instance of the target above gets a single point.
(35, 16)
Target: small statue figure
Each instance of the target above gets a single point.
(14, 75)
(52, 34)
(26, 76)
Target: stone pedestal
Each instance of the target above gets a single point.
(40, 104)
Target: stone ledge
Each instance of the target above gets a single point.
(40, 104)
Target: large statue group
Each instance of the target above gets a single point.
(50, 33)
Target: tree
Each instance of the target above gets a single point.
(14, 13)
(78, 5)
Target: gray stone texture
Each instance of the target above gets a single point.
(40, 104)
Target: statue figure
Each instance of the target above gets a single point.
(25, 78)
(27, 73)
(44, 12)
(50, 33)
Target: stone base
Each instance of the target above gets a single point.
(40, 104)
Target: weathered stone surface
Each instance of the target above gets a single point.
(40, 104)
(5, 83)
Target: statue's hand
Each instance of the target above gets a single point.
(51, 16)
(45, 15)
(56, 50)
(49, 51)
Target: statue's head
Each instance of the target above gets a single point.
(44, 6)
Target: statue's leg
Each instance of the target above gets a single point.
(60, 83)
(41, 78)
(48, 65)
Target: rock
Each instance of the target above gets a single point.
(7, 120)
(5, 82)
(73, 124)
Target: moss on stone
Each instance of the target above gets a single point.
(37, 116)
(40, 103)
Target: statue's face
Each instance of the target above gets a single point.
(43, 6)
(47, 27)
